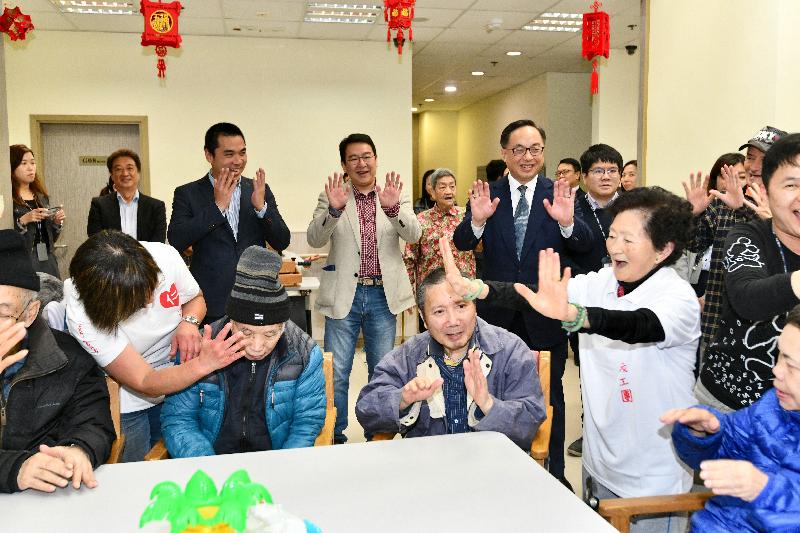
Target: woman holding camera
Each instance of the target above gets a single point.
(34, 218)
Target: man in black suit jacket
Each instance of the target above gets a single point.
(549, 223)
(140, 216)
(222, 214)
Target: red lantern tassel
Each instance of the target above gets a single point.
(162, 68)
(595, 79)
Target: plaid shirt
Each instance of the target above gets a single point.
(366, 206)
(712, 230)
(423, 257)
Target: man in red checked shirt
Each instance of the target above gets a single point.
(364, 284)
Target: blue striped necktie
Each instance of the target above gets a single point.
(521, 219)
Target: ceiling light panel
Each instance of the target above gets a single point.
(335, 13)
(95, 7)
(569, 22)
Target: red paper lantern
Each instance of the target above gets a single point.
(399, 14)
(15, 23)
(596, 39)
(161, 29)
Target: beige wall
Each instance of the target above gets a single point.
(294, 100)
(615, 108)
(6, 202)
(438, 141)
(730, 69)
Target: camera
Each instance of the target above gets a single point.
(631, 48)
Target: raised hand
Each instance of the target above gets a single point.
(76, 460)
(699, 421)
(224, 185)
(336, 191)
(460, 284)
(389, 195)
(726, 477)
(480, 203)
(551, 299)
(697, 192)
(759, 203)
(222, 350)
(475, 381)
(259, 190)
(562, 209)
(418, 389)
(11, 333)
(733, 195)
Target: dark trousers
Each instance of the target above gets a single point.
(558, 361)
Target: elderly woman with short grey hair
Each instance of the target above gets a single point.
(423, 257)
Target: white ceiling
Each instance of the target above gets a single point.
(450, 37)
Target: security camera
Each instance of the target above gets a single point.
(631, 48)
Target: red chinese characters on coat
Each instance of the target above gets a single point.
(626, 394)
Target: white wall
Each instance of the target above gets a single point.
(718, 71)
(615, 108)
(293, 99)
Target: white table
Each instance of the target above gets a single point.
(477, 482)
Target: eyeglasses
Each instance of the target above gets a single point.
(16, 318)
(366, 158)
(519, 151)
(563, 172)
(598, 172)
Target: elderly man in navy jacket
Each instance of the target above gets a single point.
(516, 217)
(222, 214)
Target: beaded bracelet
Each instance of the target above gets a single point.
(575, 325)
(473, 295)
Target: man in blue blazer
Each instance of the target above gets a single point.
(222, 214)
(517, 216)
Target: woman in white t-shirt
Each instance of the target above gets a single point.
(134, 306)
(639, 326)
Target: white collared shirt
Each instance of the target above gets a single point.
(595, 205)
(128, 214)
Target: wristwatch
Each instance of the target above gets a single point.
(191, 320)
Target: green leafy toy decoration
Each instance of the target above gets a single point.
(199, 508)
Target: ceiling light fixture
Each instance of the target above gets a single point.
(413, 109)
(342, 13)
(430, 100)
(95, 7)
(513, 53)
(450, 88)
(570, 22)
(478, 73)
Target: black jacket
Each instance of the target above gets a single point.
(197, 222)
(59, 398)
(151, 217)
(598, 221)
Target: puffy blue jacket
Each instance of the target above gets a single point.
(294, 401)
(768, 436)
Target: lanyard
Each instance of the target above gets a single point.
(780, 250)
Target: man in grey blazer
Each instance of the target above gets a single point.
(364, 284)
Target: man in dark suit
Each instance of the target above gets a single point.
(140, 216)
(222, 214)
(516, 217)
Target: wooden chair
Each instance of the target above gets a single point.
(325, 437)
(541, 441)
(119, 443)
(619, 511)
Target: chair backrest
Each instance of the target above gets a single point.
(119, 442)
(543, 368)
(325, 437)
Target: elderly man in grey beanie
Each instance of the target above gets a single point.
(56, 417)
(274, 397)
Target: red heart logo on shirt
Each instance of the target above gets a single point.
(170, 298)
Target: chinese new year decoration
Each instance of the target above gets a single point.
(399, 14)
(15, 23)
(161, 29)
(596, 39)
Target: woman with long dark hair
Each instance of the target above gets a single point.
(33, 218)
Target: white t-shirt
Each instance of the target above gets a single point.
(149, 330)
(626, 387)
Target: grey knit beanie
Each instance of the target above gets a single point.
(257, 297)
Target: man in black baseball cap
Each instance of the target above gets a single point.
(57, 419)
(756, 148)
